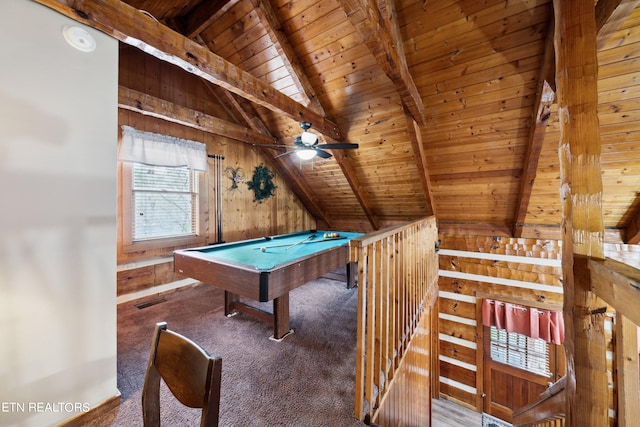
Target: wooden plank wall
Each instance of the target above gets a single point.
(523, 269)
(242, 217)
(475, 264)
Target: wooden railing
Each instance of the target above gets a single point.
(618, 285)
(397, 288)
(549, 407)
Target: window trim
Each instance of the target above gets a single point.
(126, 197)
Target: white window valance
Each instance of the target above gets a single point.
(161, 150)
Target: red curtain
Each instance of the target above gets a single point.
(529, 321)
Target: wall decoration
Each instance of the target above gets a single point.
(262, 184)
(236, 175)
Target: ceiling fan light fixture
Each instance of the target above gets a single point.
(306, 154)
(308, 138)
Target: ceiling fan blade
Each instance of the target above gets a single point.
(273, 145)
(323, 154)
(284, 154)
(343, 146)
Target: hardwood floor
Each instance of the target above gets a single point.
(450, 414)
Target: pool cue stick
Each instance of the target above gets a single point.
(302, 241)
(328, 239)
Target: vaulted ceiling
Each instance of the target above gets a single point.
(451, 102)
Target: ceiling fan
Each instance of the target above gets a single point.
(306, 145)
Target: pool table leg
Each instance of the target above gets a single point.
(230, 300)
(352, 269)
(281, 317)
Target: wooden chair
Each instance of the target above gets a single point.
(190, 373)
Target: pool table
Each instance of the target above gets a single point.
(266, 269)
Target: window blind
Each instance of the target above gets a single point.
(520, 351)
(165, 202)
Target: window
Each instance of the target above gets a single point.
(162, 207)
(165, 202)
(164, 191)
(520, 351)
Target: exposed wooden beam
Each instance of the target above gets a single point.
(632, 228)
(129, 99)
(580, 147)
(545, 96)
(610, 14)
(627, 372)
(582, 217)
(241, 109)
(366, 17)
(542, 109)
(389, 18)
(229, 101)
(618, 284)
(421, 162)
(137, 29)
(139, 102)
(351, 176)
(280, 41)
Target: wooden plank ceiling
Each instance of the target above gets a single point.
(451, 102)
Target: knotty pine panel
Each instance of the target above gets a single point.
(524, 82)
(134, 280)
(475, 71)
(458, 308)
(454, 393)
(458, 374)
(447, 13)
(458, 352)
(457, 330)
(164, 273)
(536, 248)
(470, 287)
(149, 75)
(546, 275)
(476, 23)
(146, 277)
(483, 52)
(328, 28)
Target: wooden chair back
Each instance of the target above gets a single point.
(191, 374)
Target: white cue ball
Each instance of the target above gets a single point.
(263, 249)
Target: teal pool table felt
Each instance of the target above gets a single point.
(268, 252)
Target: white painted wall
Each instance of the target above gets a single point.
(58, 132)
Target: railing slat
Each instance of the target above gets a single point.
(397, 285)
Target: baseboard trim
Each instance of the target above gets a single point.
(156, 290)
(93, 414)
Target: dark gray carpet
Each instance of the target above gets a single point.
(305, 380)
